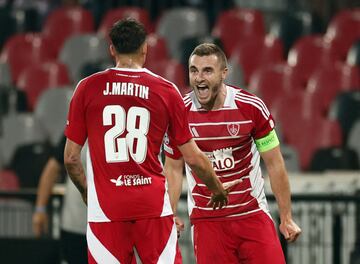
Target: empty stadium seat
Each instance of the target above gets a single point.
(334, 158)
(308, 54)
(66, 21)
(346, 110)
(26, 50)
(236, 25)
(179, 23)
(9, 180)
(257, 51)
(343, 31)
(171, 70)
(235, 75)
(157, 50)
(36, 79)
(51, 111)
(18, 129)
(114, 15)
(81, 49)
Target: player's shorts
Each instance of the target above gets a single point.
(250, 240)
(155, 241)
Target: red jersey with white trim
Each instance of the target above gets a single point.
(227, 136)
(124, 114)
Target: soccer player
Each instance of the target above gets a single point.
(124, 113)
(234, 129)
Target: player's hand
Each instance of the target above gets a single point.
(180, 225)
(218, 200)
(231, 184)
(40, 223)
(290, 230)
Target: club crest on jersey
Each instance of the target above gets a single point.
(131, 180)
(222, 159)
(233, 129)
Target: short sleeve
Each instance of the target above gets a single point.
(170, 149)
(178, 130)
(76, 126)
(263, 120)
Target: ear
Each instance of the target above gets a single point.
(224, 73)
(144, 48)
(112, 50)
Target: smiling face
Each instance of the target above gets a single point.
(206, 74)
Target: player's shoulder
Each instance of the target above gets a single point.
(163, 82)
(93, 78)
(244, 97)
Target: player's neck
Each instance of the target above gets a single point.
(219, 100)
(129, 61)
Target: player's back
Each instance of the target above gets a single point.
(127, 113)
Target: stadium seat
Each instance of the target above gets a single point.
(271, 82)
(235, 74)
(179, 23)
(5, 74)
(291, 158)
(29, 172)
(353, 141)
(171, 70)
(114, 15)
(255, 52)
(346, 110)
(236, 25)
(51, 110)
(334, 158)
(157, 50)
(343, 31)
(353, 56)
(18, 129)
(9, 180)
(25, 50)
(36, 79)
(81, 49)
(66, 21)
(308, 54)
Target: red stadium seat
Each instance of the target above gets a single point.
(171, 70)
(34, 80)
(308, 54)
(24, 50)
(157, 50)
(257, 51)
(236, 25)
(343, 31)
(9, 180)
(114, 15)
(67, 21)
(273, 81)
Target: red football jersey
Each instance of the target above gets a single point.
(124, 114)
(227, 136)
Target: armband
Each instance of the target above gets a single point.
(268, 142)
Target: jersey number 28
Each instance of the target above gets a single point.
(117, 144)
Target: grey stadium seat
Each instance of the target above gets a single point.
(81, 49)
(51, 110)
(180, 23)
(19, 129)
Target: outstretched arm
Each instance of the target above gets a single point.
(280, 186)
(74, 167)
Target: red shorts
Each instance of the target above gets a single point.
(250, 240)
(155, 241)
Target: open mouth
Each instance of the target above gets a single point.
(203, 90)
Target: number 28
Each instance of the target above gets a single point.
(117, 144)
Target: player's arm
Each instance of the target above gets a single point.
(173, 170)
(74, 167)
(269, 149)
(201, 165)
(48, 178)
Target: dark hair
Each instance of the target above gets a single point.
(127, 35)
(207, 49)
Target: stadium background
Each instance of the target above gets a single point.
(301, 57)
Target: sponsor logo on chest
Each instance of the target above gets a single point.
(131, 180)
(222, 159)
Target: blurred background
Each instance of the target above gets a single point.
(302, 57)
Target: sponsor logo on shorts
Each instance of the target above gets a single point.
(131, 180)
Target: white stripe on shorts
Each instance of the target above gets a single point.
(98, 251)
(169, 252)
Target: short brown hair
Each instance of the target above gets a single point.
(207, 49)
